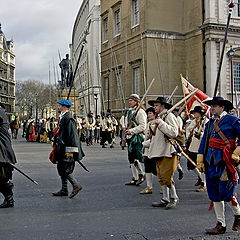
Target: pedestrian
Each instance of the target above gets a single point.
(68, 149)
(137, 123)
(90, 126)
(194, 133)
(97, 129)
(122, 127)
(221, 157)
(149, 164)
(7, 156)
(163, 152)
(107, 129)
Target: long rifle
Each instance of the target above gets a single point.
(231, 6)
(24, 174)
(82, 43)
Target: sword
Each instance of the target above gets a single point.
(81, 164)
(24, 174)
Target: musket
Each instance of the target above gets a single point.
(179, 149)
(24, 174)
(231, 6)
(171, 96)
(72, 75)
(154, 126)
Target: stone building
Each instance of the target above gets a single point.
(145, 39)
(7, 74)
(87, 80)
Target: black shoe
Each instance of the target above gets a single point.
(132, 182)
(180, 174)
(7, 204)
(111, 146)
(163, 203)
(172, 204)
(199, 182)
(60, 193)
(219, 229)
(103, 146)
(140, 180)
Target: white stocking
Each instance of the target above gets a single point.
(235, 209)
(219, 211)
(134, 172)
(149, 179)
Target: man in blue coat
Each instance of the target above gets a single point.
(218, 156)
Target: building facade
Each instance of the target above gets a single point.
(7, 74)
(146, 39)
(87, 81)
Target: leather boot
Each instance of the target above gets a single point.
(61, 193)
(236, 224)
(76, 190)
(219, 229)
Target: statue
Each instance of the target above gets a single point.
(65, 71)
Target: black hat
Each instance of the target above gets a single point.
(198, 109)
(161, 100)
(150, 109)
(220, 101)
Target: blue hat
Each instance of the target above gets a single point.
(65, 102)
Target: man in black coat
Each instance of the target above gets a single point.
(68, 149)
(6, 156)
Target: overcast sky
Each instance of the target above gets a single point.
(38, 28)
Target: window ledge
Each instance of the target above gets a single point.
(134, 26)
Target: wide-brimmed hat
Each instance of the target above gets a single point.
(198, 109)
(134, 97)
(161, 100)
(65, 102)
(219, 101)
(150, 109)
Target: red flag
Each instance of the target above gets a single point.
(197, 98)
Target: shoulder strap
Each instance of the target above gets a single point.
(218, 130)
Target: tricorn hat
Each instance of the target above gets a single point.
(220, 101)
(65, 102)
(198, 109)
(161, 100)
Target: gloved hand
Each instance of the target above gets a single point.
(200, 164)
(236, 154)
(68, 155)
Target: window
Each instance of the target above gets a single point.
(236, 76)
(236, 10)
(105, 29)
(117, 22)
(136, 81)
(135, 12)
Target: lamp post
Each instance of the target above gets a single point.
(96, 99)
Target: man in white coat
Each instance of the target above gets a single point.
(163, 152)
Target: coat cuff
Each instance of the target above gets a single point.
(71, 150)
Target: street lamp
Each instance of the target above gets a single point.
(96, 99)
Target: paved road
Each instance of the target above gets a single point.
(105, 208)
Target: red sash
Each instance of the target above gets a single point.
(227, 155)
(51, 156)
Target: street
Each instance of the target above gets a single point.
(105, 208)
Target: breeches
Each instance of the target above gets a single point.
(150, 165)
(165, 169)
(219, 187)
(65, 167)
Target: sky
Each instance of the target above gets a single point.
(39, 28)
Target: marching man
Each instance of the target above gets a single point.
(219, 161)
(163, 152)
(137, 122)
